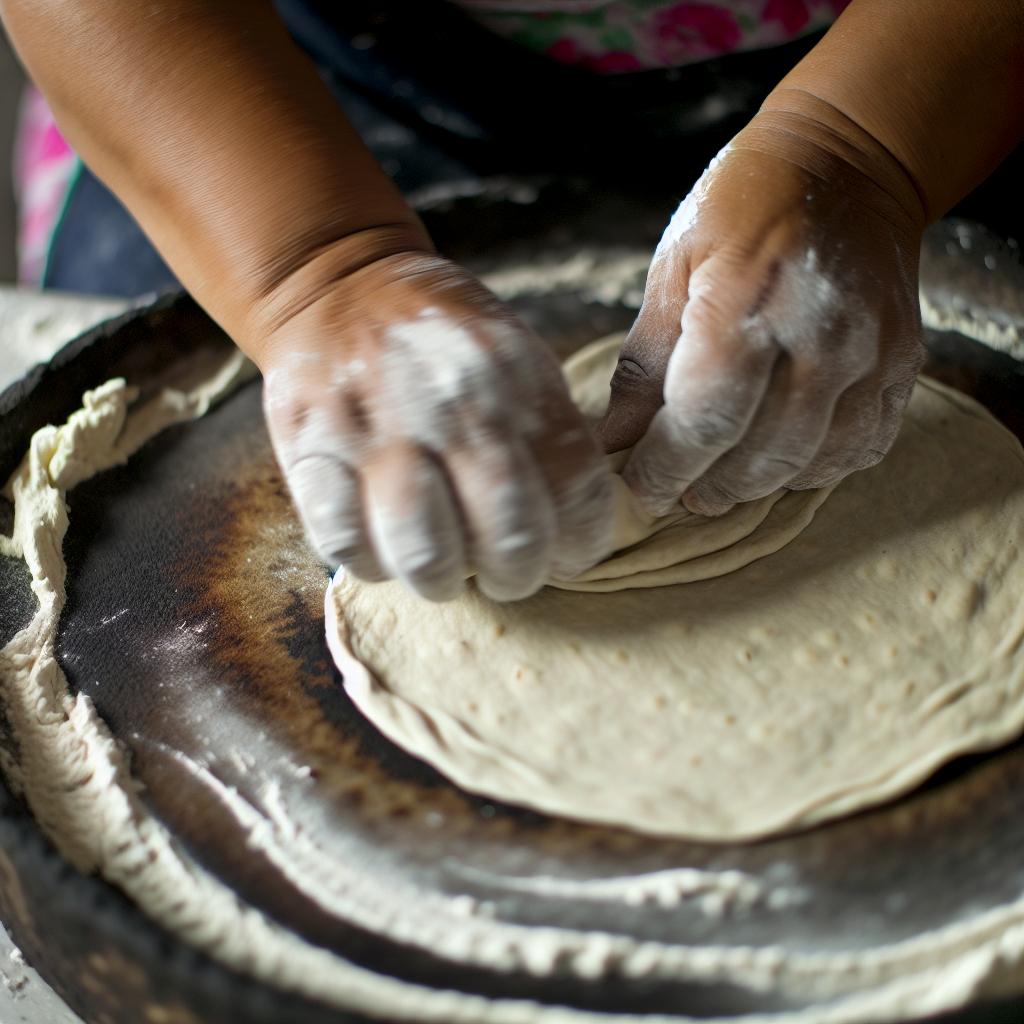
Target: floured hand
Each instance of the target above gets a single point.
(779, 337)
(423, 430)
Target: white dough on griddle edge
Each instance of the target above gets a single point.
(76, 779)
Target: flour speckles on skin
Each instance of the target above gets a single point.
(686, 215)
(689, 209)
(397, 470)
(442, 355)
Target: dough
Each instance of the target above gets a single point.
(769, 693)
(682, 547)
(77, 781)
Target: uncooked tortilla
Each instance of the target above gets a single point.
(766, 694)
(76, 779)
(680, 547)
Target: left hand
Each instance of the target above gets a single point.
(779, 338)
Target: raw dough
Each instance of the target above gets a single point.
(883, 641)
(681, 547)
(76, 779)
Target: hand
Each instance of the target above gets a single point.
(779, 337)
(423, 430)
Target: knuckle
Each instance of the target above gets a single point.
(526, 544)
(312, 480)
(711, 428)
(434, 571)
(287, 412)
(633, 379)
(760, 476)
(338, 546)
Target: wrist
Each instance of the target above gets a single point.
(799, 126)
(294, 292)
(940, 86)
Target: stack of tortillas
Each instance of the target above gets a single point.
(802, 657)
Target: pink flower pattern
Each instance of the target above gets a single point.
(792, 15)
(616, 36)
(686, 31)
(43, 168)
(568, 51)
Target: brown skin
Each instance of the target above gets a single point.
(220, 138)
(778, 342)
(895, 115)
(217, 133)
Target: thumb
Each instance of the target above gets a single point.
(638, 382)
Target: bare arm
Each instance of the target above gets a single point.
(779, 338)
(939, 84)
(421, 428)
(218, 135)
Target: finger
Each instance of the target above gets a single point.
(637, 386)
(895, 399)
(311, 441)
(784, 437)
(327, 496)
(850, 444)
(508, 514)
(582, 489)
(585, 514)
(713, 389)
(414, 521)
(580, 483)
(897, 388)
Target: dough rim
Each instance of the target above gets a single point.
(211, 916)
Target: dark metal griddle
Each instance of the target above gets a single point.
(194, 622)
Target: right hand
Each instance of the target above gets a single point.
(424, 431)
(779, 338)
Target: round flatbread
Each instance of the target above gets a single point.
(743, 676)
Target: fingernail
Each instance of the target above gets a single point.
(504, 591)
(439, 591)
(709, 509)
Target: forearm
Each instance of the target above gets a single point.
(218, 135)
(939, 84)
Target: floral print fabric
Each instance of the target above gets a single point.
(615, 36)
(44, 166)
